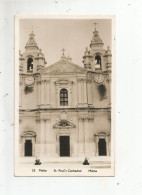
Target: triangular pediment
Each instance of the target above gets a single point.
(64, 66)
(64, 124)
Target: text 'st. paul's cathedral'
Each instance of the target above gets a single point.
(65, 110)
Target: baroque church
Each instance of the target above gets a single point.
(65, 109)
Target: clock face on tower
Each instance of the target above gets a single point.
(99, 78)
(29, 80)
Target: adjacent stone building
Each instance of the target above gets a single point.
(64, 109)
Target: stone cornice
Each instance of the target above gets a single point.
(102, 133)
(60, 82)
(65, 109)
(42, 119)
(39, 82)
(89, 80)
(81, 80)
(87, 118)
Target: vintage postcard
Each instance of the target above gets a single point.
(64, 95)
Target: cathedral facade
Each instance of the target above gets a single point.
(65, 109)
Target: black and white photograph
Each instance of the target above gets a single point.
(70, 97)
(64, 96)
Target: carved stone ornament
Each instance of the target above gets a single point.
(96, 37)
(63, 115)
(99, 78)
(64, 124)
(31, 41)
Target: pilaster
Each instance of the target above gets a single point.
(47, 93)
(38, 93)
(85, 93)
(47, 137)
(42, 134)
(42, 93)
(86, 136)
(79, 92)
(57, 94)
(90, 92)
(81, 140)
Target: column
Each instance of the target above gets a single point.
(82, 92)
(85, 93)
(90, 92)
(38, 93)
(75, 135)
(79, 91)
(42, 134)
(70, 95)
(45, 92)
(52, 141)
(33, 145)
(38, 145)
(57, 145)
(47, 137)
(108, 87)
(86, 138)
(42, 93)
(57, 95)
(81, 153)
(92, 138)
(48, 93)
(83, 134)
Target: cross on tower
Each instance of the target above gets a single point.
(95, 24)
(63, 50)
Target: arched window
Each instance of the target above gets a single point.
(64, 97)
(30, 65)
(98, 62)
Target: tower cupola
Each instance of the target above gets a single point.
(96, 41)
(31, 44)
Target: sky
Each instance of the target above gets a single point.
(74, 35)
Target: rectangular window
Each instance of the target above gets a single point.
(64, 97)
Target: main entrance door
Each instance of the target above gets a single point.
(64, 146)
(102, 147)
(28, 148)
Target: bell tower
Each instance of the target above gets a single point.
(97, 58)
(32, 60)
